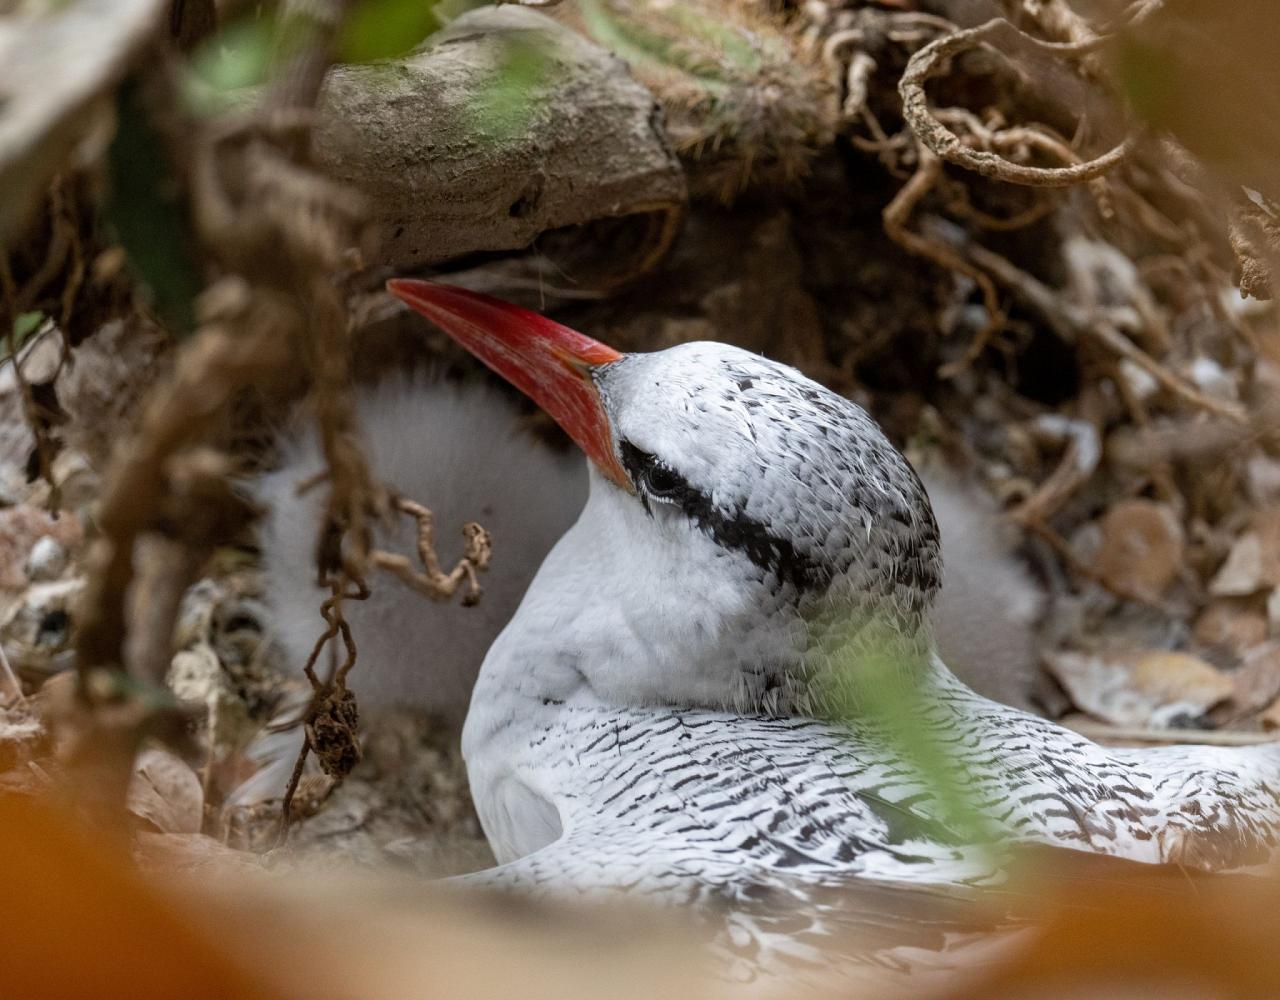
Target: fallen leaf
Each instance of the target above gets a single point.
(1253, 564)
(1141, 688)
(1257, 680)
(1241, 574)
(1141, 548)
(1230, 624)
(166, 792)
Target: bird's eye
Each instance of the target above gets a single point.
(660, 481)
(652, 477)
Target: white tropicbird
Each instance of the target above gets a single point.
(659, 715)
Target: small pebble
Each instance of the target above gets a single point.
(47, 560)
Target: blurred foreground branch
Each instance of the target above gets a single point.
(277, 229)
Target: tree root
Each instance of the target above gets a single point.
(331, 719)
(280, 230)
(895, 217)
(945, 143)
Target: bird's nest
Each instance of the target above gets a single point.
(945, 210)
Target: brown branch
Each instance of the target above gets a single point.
(280, 230)
(1072, 323)
(1069, 475)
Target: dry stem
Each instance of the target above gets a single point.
(895, 217)
(1072, 324)
(266, 214)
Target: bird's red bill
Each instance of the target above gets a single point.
(548, 362)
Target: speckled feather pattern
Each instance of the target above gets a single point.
(858, 515)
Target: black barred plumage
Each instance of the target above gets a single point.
(788, 821)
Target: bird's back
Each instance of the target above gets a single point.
(700, 802)
(803, 844)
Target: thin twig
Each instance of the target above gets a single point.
(286, 805)
(895, 217)
(1068, 476)
(1138, 734)
(1072, 324)
(1086, 572)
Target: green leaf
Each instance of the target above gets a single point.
(883, 682)
(381, 29)
(24, 326)
(144, 211)
(238, 58)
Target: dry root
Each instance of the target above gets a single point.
(1150, 213)
(332, 734)
(945, 143)
(280, 230)
(433, 581)
(331, 719)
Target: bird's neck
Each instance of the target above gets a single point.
(675, 622)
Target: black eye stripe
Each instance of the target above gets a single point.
(731, 529)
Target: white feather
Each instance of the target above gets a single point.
(461, 451)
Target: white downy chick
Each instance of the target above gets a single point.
(464, 452)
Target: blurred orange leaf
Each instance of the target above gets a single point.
(82, 924)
